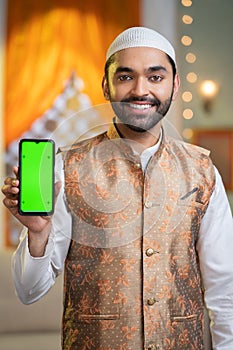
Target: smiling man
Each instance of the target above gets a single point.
(144, 92)
(142, 224)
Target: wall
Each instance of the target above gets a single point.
(211, 32)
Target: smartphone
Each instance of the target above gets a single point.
(36, 176)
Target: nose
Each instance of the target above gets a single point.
(140, 87)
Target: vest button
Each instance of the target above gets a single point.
(148, 204)
(151, 301)
(137, 166)
(149, 252)
(153, 347)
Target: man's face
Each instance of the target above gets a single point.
(140, 87)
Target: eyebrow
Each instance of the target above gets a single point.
(156, 69)
(152, 69)
(124, 69)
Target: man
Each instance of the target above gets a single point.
(143, 226)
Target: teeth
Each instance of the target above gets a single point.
(136, 106)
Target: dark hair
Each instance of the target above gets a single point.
(107, 65)
(172, 64)
(112, 58)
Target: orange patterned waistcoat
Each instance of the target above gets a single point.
(132, 275)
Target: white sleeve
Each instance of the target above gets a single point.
(33, 277)
(215, 249)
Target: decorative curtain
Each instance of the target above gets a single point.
(46, 41)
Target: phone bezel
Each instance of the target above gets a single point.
(35, 213)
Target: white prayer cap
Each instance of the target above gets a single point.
(141, 37)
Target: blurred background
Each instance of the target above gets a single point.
(52, 55)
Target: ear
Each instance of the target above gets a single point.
(176, 86)
(105, 88)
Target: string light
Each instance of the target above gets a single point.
(187, 3)
(209, 88)
(187, 113)
(186, 40)
(191, 77)
(187, 19)
(187, 96)
(190, 57)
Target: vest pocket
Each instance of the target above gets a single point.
(192, 207)
(108, 313)
(193, 199)
(188, 331)
(184, 318)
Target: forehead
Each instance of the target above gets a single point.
(141, 58)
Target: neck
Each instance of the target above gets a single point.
(143, 139)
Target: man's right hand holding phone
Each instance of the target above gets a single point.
(39, 227)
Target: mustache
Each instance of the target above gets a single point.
(153, 101)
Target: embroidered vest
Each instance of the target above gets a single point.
(132, 276)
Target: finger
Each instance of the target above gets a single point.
(16, 171)
(15, 183)
(8, 181)
(6, 189)
(11, 182)
(10, 191)
(10, 203)
(10, 186)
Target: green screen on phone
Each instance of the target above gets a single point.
(36, 174)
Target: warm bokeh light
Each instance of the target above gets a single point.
(190, 57)
(187, 133)
(209, 88)
(188, 113)
(187, 96)
(186, 40)
(186, 3)
(187, 19)
(191, 77)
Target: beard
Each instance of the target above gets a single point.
(145, 121)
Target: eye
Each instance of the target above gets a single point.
(156, 78)
(124, 77)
